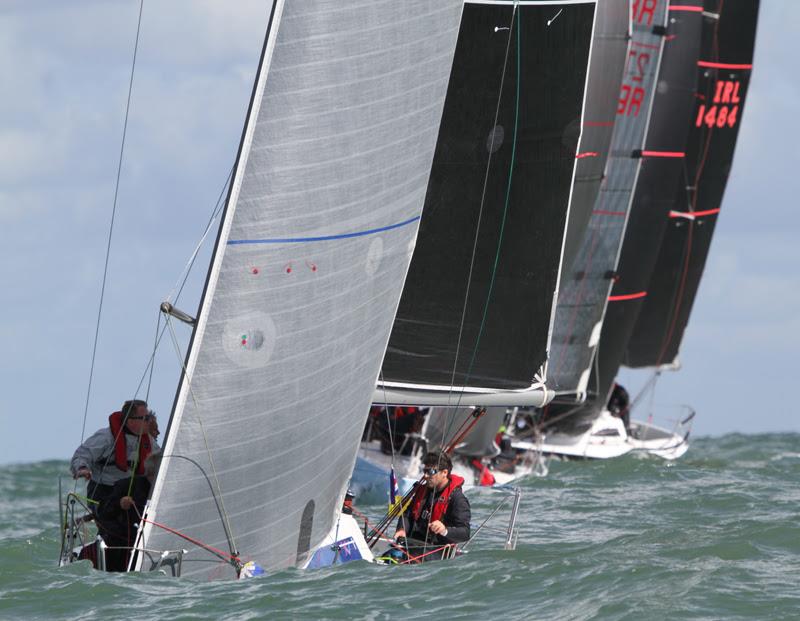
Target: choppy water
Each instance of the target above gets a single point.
(713, 536)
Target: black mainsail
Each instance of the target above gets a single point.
(661, 170)
(723, 77)
(473, 326)
(643, 189)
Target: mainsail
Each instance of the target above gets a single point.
(723, 76)
(473, 326)
(603, 184)
(661, 171)
(305, 280)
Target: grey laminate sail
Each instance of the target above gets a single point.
(586, 283)
(445, 424)
(306, 277)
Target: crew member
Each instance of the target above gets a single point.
(110, 453)
(118, 514)
(439, 513)
(619, 405)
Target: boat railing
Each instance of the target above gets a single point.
(511, 531)
(76, 534)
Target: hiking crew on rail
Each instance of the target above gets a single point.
(115, 452)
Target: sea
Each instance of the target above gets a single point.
(714, 535)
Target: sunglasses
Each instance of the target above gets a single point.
(429, 472)
(148, 416)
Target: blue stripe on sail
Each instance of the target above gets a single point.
(303, 240)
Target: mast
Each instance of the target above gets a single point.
(305, 278)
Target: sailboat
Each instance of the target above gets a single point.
(517, 166)
(306, 273)
(648, 274)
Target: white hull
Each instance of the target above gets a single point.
(343, 544)
(607, 438)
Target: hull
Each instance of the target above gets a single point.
(607, 438)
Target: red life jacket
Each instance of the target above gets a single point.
(121, 445)
(440, 506)
(486, 477)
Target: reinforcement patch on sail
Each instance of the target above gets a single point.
(477, 304)
(308, 270)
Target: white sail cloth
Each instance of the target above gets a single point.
(307, 275)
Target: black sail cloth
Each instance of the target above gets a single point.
(662, 161)
(723, 77)
(502, 173)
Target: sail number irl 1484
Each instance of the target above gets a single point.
(724, 110)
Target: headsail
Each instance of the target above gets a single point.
(723, 77)
(473, 326)
(306, 276)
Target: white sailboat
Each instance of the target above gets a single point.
(306, 274)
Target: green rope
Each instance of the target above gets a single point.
(85, 499)
(505, 209)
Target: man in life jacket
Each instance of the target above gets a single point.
(118, 514)
(112, 453)
(439, 513)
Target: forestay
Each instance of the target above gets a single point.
(473, 326)
(307, 272)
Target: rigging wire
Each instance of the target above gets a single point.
(151, 361)
(450, 417)
(111, 225)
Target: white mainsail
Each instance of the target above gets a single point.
(305, 280)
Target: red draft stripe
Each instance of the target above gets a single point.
(580, 156)
(691, 9)
(693, 214)
(598, 123)
(663, 154)
(630, 296)
(603, 212)
(706, 63)
(645, 45)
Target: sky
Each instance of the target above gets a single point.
(66, 67)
